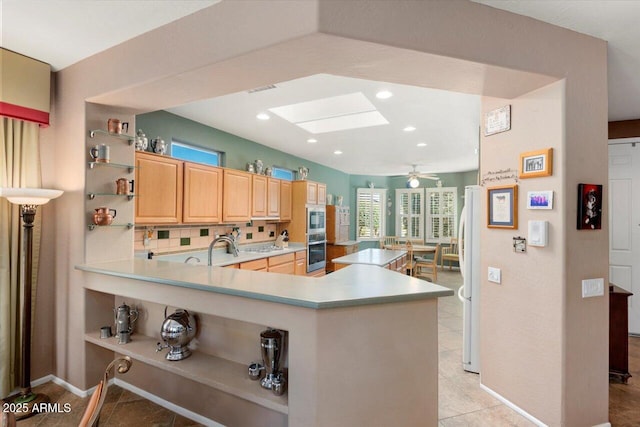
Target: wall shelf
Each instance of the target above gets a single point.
(129, 138)
(92, 196)
(128, 225)
(225, 375)
(130, 168)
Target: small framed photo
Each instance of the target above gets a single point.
(502, 207)
(498, 120)
(540, 200)
(534, 164)
(589, 207)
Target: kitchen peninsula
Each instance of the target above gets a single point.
(344, 330)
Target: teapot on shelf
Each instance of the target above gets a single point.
(124, 318)
(158, 145)
(104, 216)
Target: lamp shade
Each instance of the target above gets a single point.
(413, 182)
(29, 196)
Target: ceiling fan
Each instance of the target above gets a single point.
(413, 176)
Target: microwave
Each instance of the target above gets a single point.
(315, 220)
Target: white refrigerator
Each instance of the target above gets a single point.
(469, 293)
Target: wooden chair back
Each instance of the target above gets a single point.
(388, 242)
(425, 267)
(450, 254)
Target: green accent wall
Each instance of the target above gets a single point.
(240, 151)
(237, 151)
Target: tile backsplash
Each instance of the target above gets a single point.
(182, 238)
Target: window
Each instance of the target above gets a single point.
(442, 214)
(371, 213)
(410, 213)
(282, 173)
(190, 153)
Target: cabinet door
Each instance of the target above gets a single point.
(202, 194)
(322, 194)
(259, 204)
(286, 268)
(285, 201)
(273, 194)
(312, 192)
(159, 186)
(301, 263)
(236, 205)
(255, 265)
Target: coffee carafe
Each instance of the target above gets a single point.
(272, 349)
(125, 317)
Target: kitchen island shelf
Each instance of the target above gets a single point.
(130, 168)
(92, 196)
(128, 225)
(224, 375)
(129, 138)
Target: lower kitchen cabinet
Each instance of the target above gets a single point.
(255, 265)
(159, 189)
(339, 249)
(282, 264)
(301, 263)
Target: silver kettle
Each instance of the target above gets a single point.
(177, 331)
(124, 318)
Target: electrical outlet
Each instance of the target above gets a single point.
(495, 275)
(592, 288)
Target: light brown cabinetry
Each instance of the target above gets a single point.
(260, 196)
(301, 263)
(202, 193)
(282, 264)
(159, 186)
(273, 197)
(285, 200)
(321, 194)
(315, 193)
(236, 205)
(255, 265)
(338, 219)
(336, 251)
(303, 193)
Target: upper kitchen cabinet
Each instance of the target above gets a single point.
(314, 193)
(285, 200)
(236, 205)
(260, 196)
(202, 194)
(159, 186)
(273, 197)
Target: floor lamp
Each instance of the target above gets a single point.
(28, 199)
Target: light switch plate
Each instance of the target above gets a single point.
(494, 275)
(592, 288)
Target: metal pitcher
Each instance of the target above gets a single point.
(124, 318)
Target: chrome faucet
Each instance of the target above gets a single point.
(232, 247)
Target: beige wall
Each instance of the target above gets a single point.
(240, 45)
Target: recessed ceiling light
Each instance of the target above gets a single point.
(263, 116)
(312, 140)
(384, 94)
(421, 144)
(409, 129)
(337, 152)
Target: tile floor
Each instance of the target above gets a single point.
(461, 401)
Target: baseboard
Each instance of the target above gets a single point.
(166, 404)
(513, 406)
(524, 413)
(125, 385)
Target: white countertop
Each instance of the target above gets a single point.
(351, 286)
(372, 256)
(220, 258)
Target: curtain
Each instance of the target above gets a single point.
(19, 167)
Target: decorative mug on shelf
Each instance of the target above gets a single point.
(124, 186)
(100, 153)
(114, 126)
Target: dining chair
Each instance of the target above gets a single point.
(411, 263)
(450, 254)
(387, 242)
(91, 415)
(426, 267)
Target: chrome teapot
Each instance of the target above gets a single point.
(177, 331)
(158, 145)
(125, 317)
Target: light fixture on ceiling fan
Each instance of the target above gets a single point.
(413, 176)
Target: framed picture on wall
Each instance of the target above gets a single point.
(540, 200)
(589, 207)
(502, 207)
(534, 164)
